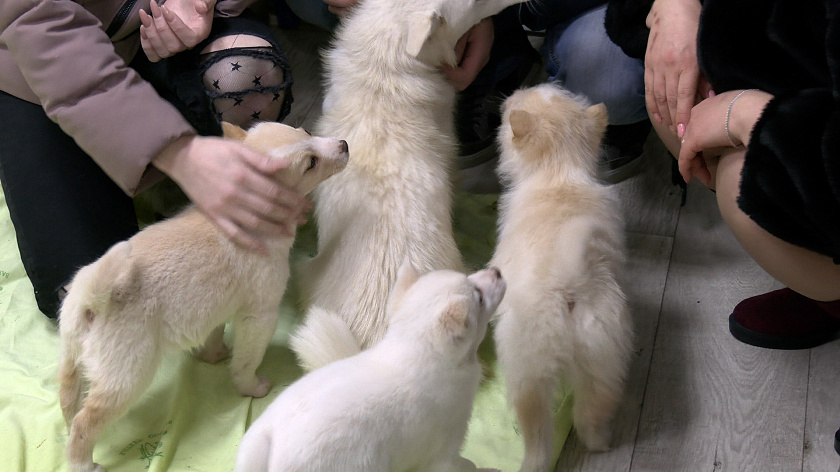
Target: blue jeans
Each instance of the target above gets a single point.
(580, 55)
(313, 12)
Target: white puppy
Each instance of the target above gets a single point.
(562, 245)
(386, 95)
(402, 405)
(174, 285)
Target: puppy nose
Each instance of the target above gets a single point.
(343, 146)
(496, 272)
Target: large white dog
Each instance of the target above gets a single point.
(561, 243)
(386, 95)
(402, 405)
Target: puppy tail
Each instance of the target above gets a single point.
(88, 297)
(323, 338)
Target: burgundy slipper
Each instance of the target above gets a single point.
(784, 319)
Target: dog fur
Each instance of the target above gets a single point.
(173, 286)
(402, 405)
(387, 96)
(562, 246)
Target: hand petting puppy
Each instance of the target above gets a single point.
(175, 26)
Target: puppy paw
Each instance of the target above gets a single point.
(596, 439)
(212, 355)
(87, 467)
(257, 389)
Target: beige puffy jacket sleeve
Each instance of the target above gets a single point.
(69, 65)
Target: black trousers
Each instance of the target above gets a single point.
(65, 210)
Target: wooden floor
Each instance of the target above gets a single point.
(697, 400)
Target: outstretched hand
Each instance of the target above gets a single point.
(234, 186)
(472, 52)
(175, 26)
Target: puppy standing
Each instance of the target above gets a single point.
(561, 244)
(387, 96)
(173, 285)
(402, 405)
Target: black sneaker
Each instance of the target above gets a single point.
(622, 150)
(478, 112)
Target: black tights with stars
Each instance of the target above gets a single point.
(66, 212)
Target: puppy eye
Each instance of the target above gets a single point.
(313, 161)
(306, 131)
(480, 296)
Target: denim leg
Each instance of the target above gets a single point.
(314, 12)
(580, 55)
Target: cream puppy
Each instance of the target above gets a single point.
(386, 95)
(562, 245)
(172, 286)
(402, 405)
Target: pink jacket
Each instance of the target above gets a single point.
(57, 53)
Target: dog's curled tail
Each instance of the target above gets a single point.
(324, 337)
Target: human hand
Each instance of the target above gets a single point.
(706, 132)
(340, 7)
(234, 186)
(672, 73)
(174, 27)
(472, 51)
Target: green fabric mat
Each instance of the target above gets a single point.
(190, 418)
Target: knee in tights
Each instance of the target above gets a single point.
(247, 80)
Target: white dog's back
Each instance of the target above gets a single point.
(386, 95)
(561, 243)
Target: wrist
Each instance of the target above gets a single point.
(171, 159)
(745, 114)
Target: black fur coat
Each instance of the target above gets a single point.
(790, 185)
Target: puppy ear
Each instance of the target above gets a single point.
(421, 29)
(455, 319)
(599, 114)
(521, 123)
(231, 131)
(407, 275)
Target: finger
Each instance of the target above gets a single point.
(147, 47)
(153, 35)
(685, 99)
(240, 237)
(185, 35)
(661, 97)
(170, 42)
(650, 101)
(153, 40)
(257, 224)
(204, 6)
(672, 95)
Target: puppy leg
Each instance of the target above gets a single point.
(597, 394)
(70, 387)
(111, 392)
(251, 335)
(214, 349)
(602, 357)
(533, 402)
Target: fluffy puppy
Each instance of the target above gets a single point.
(402, 405)
(561, 243)
(386, 95)
(174, 285)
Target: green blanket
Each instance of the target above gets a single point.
(191, 418)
